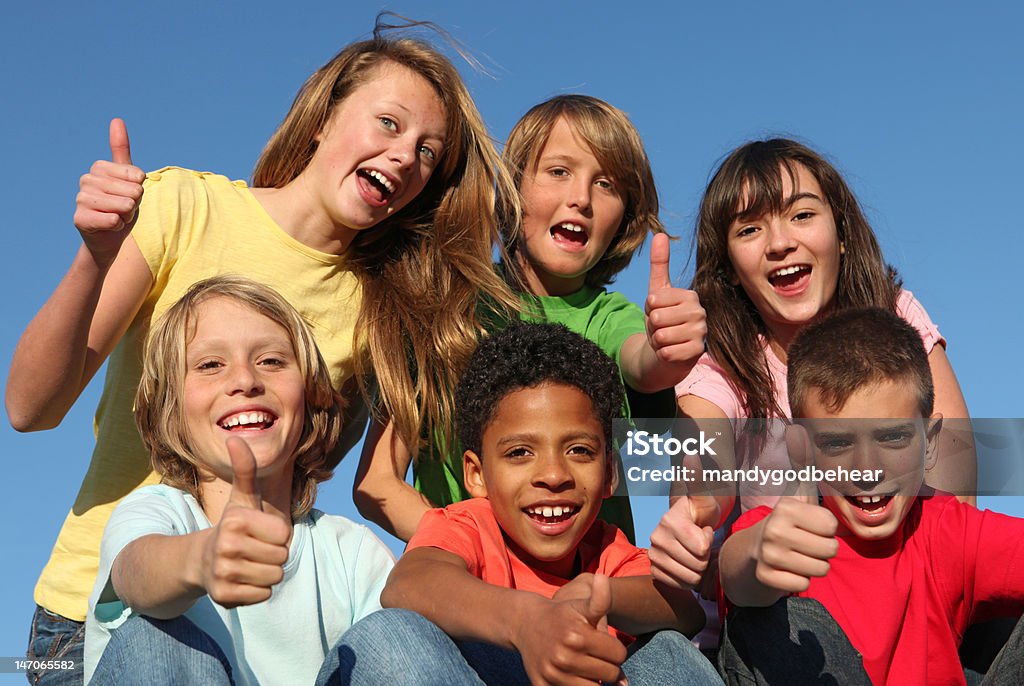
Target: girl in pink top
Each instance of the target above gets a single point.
(781, 241)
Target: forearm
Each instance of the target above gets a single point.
(48, 369)
(641, 605)
(159, 575)
(380, 490)
(644, 371)
(737, 566)
(482, 611)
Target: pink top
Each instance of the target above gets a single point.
(709, 381)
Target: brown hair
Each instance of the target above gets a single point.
(616, 144)
(424, 270)
(851, 350)
(159, 403)
(749, 184)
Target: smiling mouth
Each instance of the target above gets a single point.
(547, 514)
(869, 503)
(788, 277)
(248, 421)
(568, 232)
(383, 186)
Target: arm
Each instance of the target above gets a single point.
(676, 329)
(380, 490)
(681, 543)
(72, 334)
(570, 644)
(236, 562)
(956, 469)
(778, 555)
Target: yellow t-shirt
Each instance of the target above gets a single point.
(192, 225)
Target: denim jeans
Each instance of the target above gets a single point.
(401, 648)
(795, 641)
(145, 651)
(54, 637)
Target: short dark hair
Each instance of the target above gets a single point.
(526, 356)
(855, 348)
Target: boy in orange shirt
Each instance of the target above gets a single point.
(522, 583)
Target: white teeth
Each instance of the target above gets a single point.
(546, 512)
(383, 179)
(550, 511)
(869, 499)
(575, 228)
(557, 510)
(786, 271)
(243, 419)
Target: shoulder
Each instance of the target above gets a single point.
(149, 506)
(913, 312)
(605, 549)
(179, 177)
(352, 539)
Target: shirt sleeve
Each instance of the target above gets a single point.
(453, 532)
(618, 320)
(913, 312)
(707, 380)
(163, 228)
(622, 558)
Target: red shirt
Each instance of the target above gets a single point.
(468, 529)
(905, 602)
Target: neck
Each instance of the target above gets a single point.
(215, 492)
(546, 285)
(300, 215)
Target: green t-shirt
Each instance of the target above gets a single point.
(603, 317)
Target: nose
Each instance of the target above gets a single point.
(553, 474)
(580, 195)
(403, 152)
(243, 380)
(780, 237)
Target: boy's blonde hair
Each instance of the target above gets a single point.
(159, 404)
(616, 144)
(425, 269)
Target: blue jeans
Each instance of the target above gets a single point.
(795, 641)
(145, 651)
(54, 637)
(401, 648)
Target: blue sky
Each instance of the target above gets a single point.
(918, 106)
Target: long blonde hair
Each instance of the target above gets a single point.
(159, 403)
(425, 270)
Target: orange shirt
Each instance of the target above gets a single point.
(468, 529)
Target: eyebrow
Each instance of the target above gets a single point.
(534, 437)
(908, 426)
(272, 344)
(796, 197)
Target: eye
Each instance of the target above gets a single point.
(558, 172)
(518, 454)
(803, 215)
(896, 439)
(208, 365)
(388, 123)
(606, 184)
(273, 361)
(583, 451)
(746, 231)
(428, 152)
(834, 446)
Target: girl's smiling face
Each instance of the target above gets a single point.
(378, 149)
(242, 379)
(788, 263)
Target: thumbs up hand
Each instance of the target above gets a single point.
(244, 557)
(675, 319)
(108, 198)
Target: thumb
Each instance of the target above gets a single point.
(245, 492)
(599, 602)
(120, 149)
(798, 445)
(659, 263)
(704, 508)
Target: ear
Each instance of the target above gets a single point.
(933, 427)
(611, 474)
(473, 474)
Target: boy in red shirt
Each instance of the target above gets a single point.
(522, 583)
(878, 582)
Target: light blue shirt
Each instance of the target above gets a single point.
(333, 578)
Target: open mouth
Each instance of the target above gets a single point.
(551, 514)
(789, 278)
(248, 421)
(569, 234)
(381, 187)
(869, 503)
